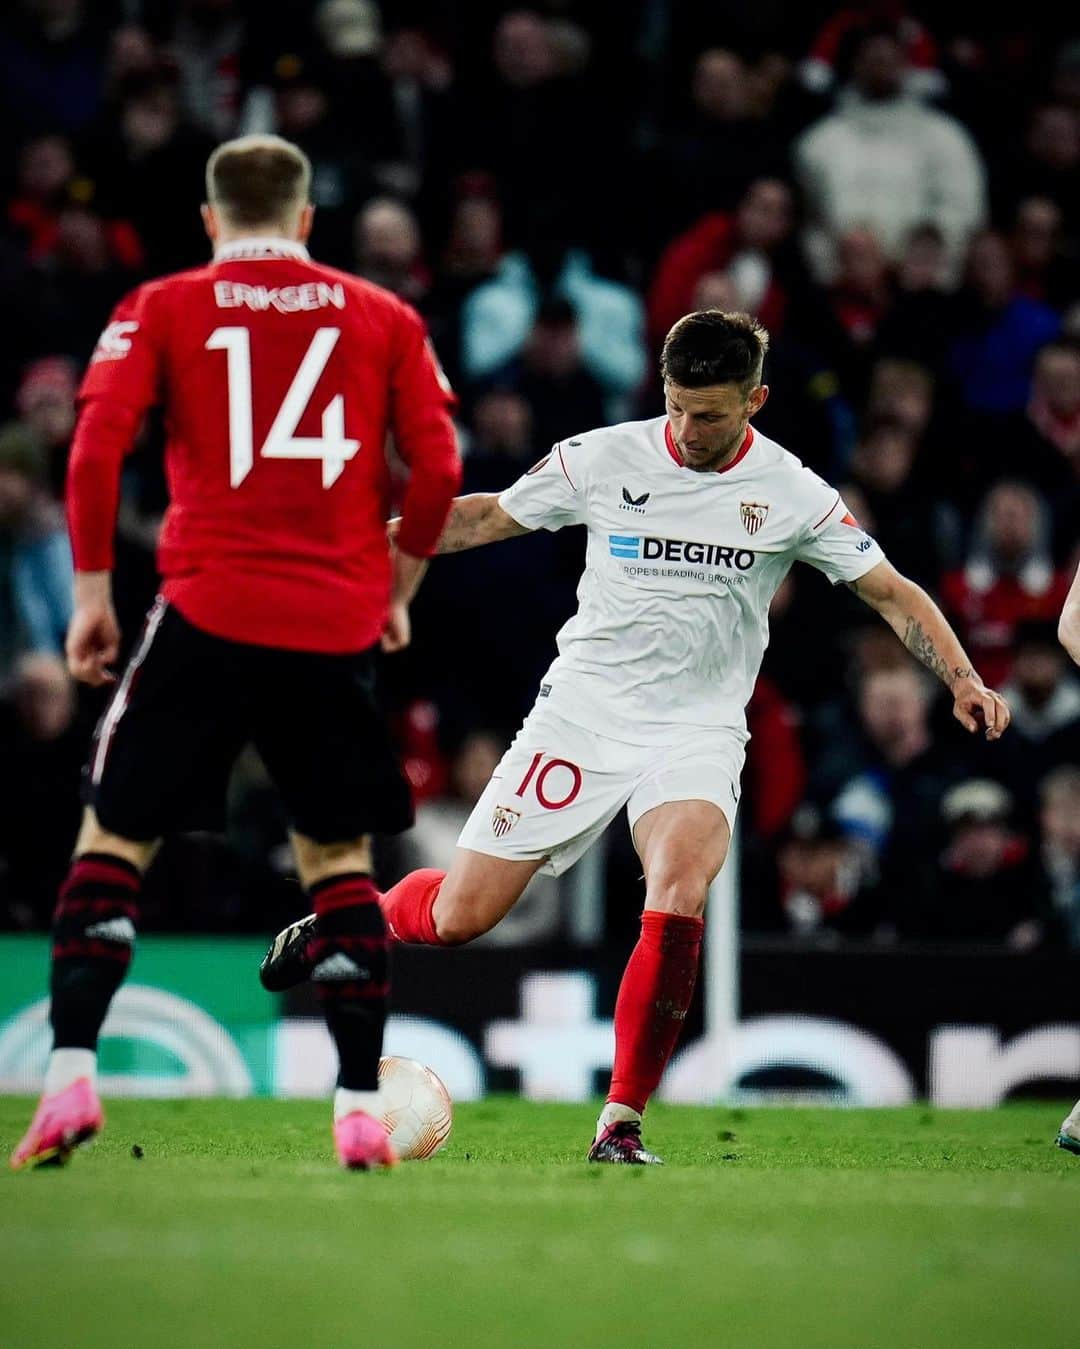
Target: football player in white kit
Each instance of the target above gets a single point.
(693, 521)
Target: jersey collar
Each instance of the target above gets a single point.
(255, 249)
(744, 448)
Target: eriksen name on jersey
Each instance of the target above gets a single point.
(285, 299)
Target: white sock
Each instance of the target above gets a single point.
(67, 1066)
(1071, 1125)
(346, 1101)
(614, 1113)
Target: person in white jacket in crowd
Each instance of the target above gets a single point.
(885, 160)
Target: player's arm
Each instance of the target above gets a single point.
(1069, 622)
(120, 384)
(926, 633)
(421, 402)
(472, 521)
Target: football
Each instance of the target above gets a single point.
(416, 1107)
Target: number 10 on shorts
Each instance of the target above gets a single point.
(556, 782)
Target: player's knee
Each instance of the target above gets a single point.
(457, 921)
(678, 890)
(94, 838)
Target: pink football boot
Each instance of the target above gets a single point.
(61, 1122)
(362, 1142)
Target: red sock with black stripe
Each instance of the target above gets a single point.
(653, 1000)
(407, 907)
(350, 971)
(93, 938)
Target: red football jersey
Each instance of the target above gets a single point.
(280, 380)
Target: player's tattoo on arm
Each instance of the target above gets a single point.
(476, 520)
(917, 621)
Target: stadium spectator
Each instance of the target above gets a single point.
(1044, 695)
(923, 311)
(987, 886)
(887, 803)
(499, 315)
(51, 67)
(920, 534)
(1060, 831)
(530, 127)
(727, 141)
(884, 161)
(1044, 270)
(859, 298)
(551, 376)
(208, 40)
(923, 74)
(46, 403)
(148, 164)
(473, 248)
(816, 891)
(744, 243)
(1001, 331)
(1009, 577)
(35, 557)
(389, 249)
(342, 173)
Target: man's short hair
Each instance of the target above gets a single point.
(714, 346)
(258, 180)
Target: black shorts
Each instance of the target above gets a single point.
(188, 703)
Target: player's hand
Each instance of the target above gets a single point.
(93, 643)
(393, 528)
(398, 631)
(976, 707)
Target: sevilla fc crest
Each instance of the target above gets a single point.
(503, 820)
(753, 515)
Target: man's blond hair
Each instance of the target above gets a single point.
(258, 180)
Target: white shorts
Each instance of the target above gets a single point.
(559, 786)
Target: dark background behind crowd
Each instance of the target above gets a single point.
(893, 189)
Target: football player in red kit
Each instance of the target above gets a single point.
(280, 380)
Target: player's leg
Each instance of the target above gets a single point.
(682, 846)
(450, 908)
(427, 907)
(555, 790)
(347, 956)
(153, 745)
(93, 937)
(1069, 1133)
(318, 728)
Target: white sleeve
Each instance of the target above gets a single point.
(551, 494)
(835, 543)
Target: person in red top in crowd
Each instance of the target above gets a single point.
(280, 381)
(744, 243)
(1008, 579)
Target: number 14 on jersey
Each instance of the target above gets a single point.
(332, 448)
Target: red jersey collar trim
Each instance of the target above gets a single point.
(257, 247)
(744, 448)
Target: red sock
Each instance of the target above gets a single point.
(407, 907)
(654, 996)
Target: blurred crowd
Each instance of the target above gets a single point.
(893, 189)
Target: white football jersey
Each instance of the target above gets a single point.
(673, 605)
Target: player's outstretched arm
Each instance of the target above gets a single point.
(926, 633)
(1069, 622)
(473, 520)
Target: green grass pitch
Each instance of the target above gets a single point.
(794, 1227)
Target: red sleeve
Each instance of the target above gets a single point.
(120, 384)
(421, 401)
